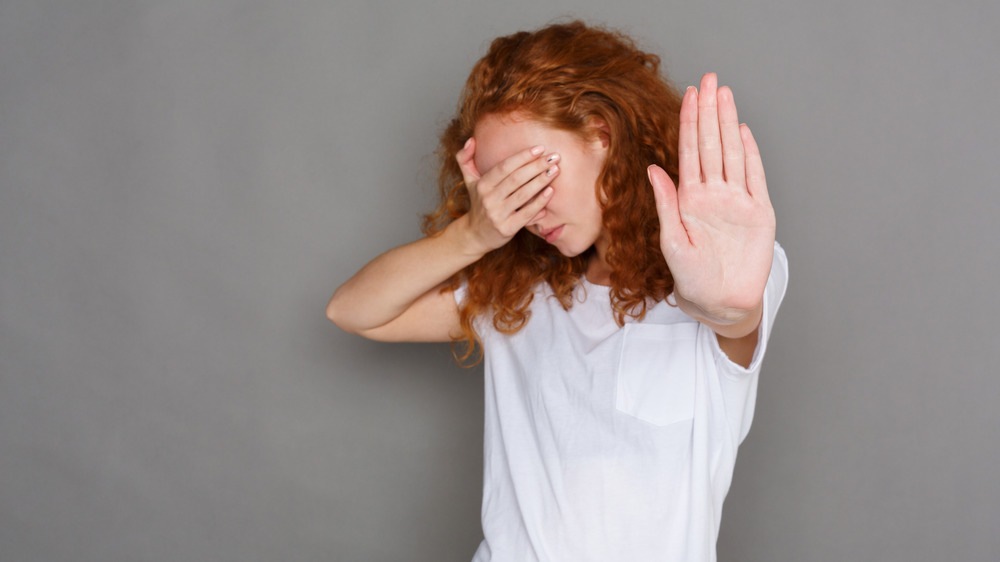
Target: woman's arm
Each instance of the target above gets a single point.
(398, 296)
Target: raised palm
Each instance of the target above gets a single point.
(717, 226)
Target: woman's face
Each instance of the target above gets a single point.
(572, 221)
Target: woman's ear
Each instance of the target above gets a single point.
(602, 129)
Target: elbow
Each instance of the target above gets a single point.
(346, 318)
(335, 313)
(348, 322)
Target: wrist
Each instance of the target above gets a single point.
(727, 321)
(463, 238)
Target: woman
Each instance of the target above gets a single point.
(610, 246)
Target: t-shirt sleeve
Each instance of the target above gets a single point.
(738, 383)
(480, 324)
(461, 292)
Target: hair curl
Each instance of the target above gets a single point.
(568, 76)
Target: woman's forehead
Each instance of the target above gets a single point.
(500, 136)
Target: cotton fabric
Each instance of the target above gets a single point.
(610, 443)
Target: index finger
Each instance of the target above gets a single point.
(512, 163)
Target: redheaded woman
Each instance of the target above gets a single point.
(608, 246)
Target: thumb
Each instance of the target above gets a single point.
(673, 235)
(466, 163)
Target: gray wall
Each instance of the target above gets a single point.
(184, 183)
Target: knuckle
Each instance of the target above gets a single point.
(506, 167)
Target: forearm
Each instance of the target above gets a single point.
(388, 285)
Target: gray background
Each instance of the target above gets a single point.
(184, 183)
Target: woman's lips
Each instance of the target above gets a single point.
(551, 234)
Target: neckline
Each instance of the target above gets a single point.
(589, 282)
(591, 288)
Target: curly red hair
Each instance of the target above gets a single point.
(569, 76)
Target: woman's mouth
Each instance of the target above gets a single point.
(551, 234)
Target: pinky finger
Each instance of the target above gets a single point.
(756, 183)
(538, 216)
(534, 209)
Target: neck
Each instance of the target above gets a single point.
(598, 270)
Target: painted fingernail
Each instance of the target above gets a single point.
(547, 191)
(551, 170)
(538, 150)
(552, 158)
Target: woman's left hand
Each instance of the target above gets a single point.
(717, 226)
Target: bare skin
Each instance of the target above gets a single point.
(717, 227)
(397, 296)
(717, 232)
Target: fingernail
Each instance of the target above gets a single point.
(467, 143)
(537, 151)
(552, 158)
(547, 191)
(551, 170)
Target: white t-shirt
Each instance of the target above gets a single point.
(610, 443)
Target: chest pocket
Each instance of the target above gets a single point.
(656, 372)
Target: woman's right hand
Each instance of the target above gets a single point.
(508, 196)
